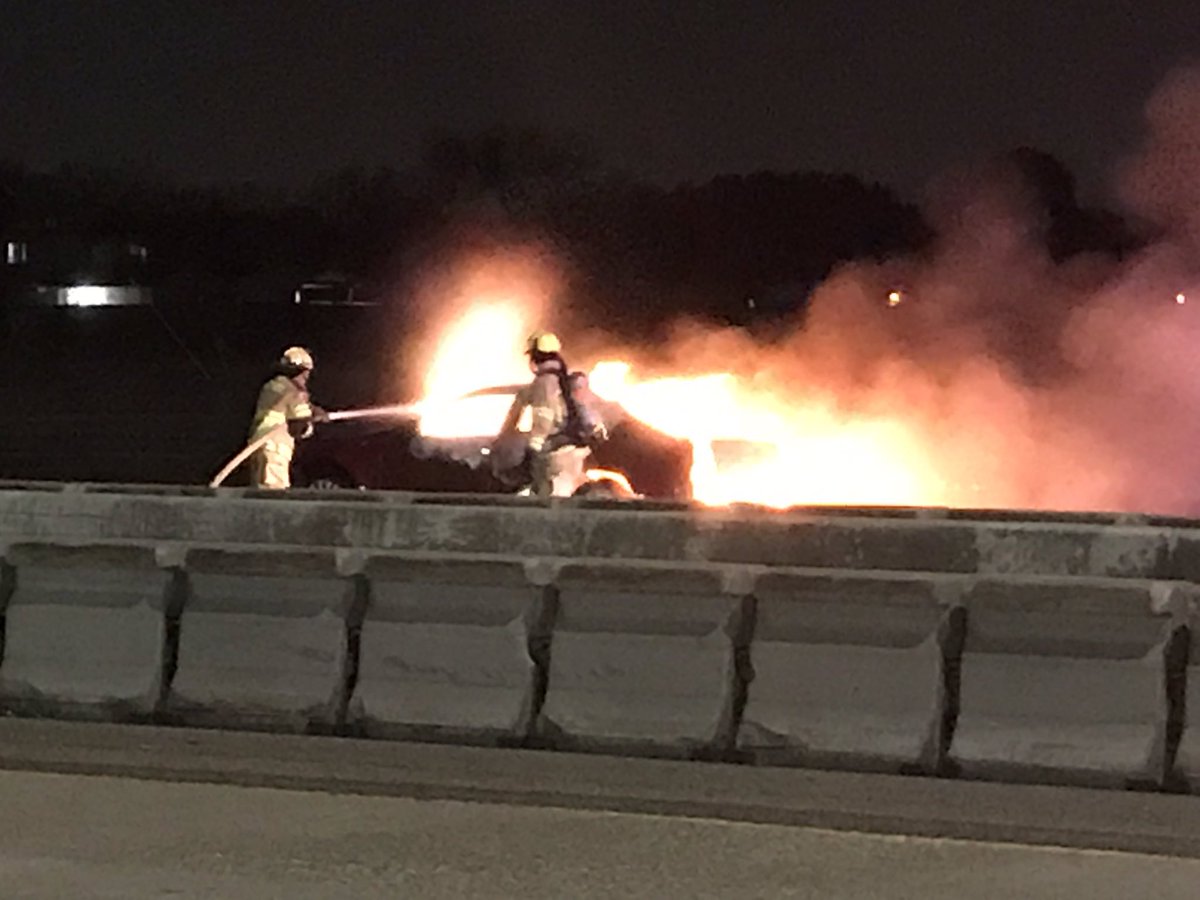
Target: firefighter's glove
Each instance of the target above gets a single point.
(300, 428)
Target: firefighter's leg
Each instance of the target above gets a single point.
(542, 482)
(257, 466)
(273, 468)
(567, 466)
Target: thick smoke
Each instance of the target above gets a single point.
(1027, 381)
(1009, 375)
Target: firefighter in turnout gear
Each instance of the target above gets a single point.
(285, 413)
(558, 449)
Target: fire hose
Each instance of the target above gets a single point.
(398, 409)
(395, 409)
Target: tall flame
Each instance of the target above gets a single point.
(474, 353)
(751, 445)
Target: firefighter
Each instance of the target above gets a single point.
(557, 458)
(283, 401)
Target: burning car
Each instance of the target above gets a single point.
(438, 452)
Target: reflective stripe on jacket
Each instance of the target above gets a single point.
(279, 401)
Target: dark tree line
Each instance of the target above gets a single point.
(758, 241)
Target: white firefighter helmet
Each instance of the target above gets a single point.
(298, 357)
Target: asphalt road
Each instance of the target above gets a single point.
(105, 837)
(928, 807)
(93, 810)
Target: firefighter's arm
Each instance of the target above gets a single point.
(520, 401)
(542, 396)
(301, 414)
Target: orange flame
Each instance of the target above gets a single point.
(474, 353)
(751, 445)
(482, 310)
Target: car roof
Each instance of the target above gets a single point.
(500, 389)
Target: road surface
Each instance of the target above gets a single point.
(105, 837)
(94, 810)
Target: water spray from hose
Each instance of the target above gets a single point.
(397, 410)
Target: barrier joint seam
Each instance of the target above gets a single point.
(540, 646)
(952, 635)
(743, 671)
(1176, 659)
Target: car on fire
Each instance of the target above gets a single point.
(636, 460)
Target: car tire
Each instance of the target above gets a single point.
(603, 489)
(327, 484)
(330, 481)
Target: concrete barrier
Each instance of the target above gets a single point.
(848, 670)
(1070, 626)
(84, 631)
(1065, 680)
(262, 641)
(908, 540)
(447, 649)
(305, 495)
(643, 659)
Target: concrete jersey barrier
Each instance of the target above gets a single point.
(643, 658)
(262, 640)
(850, 669)
(1008, 677)
(84, 630)
(1067, 679)
(450, 649)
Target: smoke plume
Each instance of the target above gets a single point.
(996, 372)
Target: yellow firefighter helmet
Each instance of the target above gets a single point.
(543, 342)
(298, 357)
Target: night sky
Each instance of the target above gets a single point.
(277, 92)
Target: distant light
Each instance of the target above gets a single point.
(894, 298)
(1180, 299)
(89, 295)
(16, 253)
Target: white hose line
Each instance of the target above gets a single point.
(246, 453)
(395, 409)
(398, 409)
